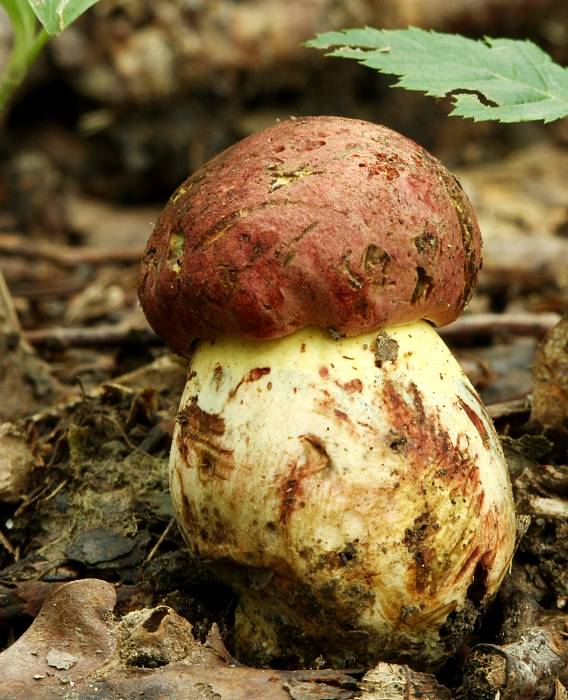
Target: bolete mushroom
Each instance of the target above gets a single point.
(330, 459)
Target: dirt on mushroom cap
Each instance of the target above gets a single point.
(320, 221)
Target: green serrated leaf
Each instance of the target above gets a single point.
(501, 79)
(367, 37)
(57, 15)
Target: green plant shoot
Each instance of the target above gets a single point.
(57, 15)
(506, 80)
(32, 22)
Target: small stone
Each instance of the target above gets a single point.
(386, 349)
(61, 660)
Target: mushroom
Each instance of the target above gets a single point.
(330, 458)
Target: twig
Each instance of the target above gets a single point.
(31, 499)
(513, 407)
(485, 325)
(161, 538)
(67, 256)
(524, 261)
(107, 334)
(56, 490)
(53, 289)
(116, 424)
(7, 545)
(9, 321)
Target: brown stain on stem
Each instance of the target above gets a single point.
(433, 456)
(317, 463)
(253, 376)
(289, 491)
(198, 439)
(354, 386)
(476, 420)
(316, 455)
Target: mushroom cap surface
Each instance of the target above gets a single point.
(315, 221)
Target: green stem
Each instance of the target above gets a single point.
(26, 46)
(36, 46)
(13, 75)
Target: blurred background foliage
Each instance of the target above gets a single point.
(138, 93)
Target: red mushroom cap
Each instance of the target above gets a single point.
(321, 221)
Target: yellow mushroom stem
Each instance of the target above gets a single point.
(352, 490)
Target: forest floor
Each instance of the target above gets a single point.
(89, 398)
